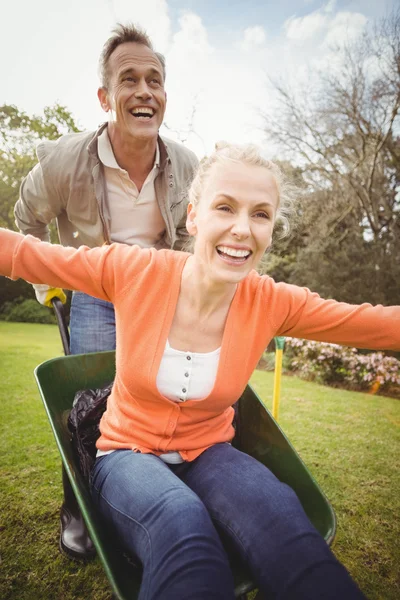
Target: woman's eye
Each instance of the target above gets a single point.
(262, 215)
(224, 208)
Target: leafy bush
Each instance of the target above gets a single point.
(341, 366)
(267, 362)
(26, 311)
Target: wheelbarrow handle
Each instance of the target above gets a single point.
(62, 324)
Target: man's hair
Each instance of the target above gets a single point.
(121, 35)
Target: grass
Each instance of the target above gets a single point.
(349, 441)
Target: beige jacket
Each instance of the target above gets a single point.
(69, 185)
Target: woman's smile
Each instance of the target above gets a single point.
(233, 221)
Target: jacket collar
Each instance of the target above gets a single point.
(92, 147)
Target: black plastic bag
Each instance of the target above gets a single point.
(83, 423)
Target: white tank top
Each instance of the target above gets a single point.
(184, 376)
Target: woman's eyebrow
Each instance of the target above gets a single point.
(263, 204)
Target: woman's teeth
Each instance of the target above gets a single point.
(233, 252)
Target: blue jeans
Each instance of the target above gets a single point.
(92, 324)
(173, 517)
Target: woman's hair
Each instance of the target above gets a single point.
(248, 154)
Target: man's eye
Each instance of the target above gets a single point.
(129, 79)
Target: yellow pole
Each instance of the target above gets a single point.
(279, 345)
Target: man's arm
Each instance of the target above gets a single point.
(33, 212)
(181, 231)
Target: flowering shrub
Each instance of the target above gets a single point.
(334, 365)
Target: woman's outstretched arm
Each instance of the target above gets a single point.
(95, 271)
(308, 316)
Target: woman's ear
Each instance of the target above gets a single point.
(191, 219)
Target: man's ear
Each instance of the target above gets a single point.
(191, 219)
(102, 95)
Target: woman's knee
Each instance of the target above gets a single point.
(148, 507)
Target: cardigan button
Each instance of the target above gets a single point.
(188, 358)
(186, 374)
(184, 390)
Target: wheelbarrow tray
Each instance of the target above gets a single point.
(257, 434)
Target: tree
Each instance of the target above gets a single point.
(345, 138)
(19, 135)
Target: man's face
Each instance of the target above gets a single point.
(135, 94)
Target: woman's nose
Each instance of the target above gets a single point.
(241, 226)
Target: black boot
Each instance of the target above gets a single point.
(74, 538)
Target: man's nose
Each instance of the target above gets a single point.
(143, 91)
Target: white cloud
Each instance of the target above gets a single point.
(191, 40)
(253, 37)
(316, 34)
(344, 27)
(330, 6)
(303, 28)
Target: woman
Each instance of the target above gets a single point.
(190, 331)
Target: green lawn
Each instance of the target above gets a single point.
(349, 441)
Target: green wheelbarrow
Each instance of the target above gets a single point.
(257, 434)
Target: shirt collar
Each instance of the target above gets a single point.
(106, 153)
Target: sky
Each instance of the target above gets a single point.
(221, 56)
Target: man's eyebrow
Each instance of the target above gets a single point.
(133, 71)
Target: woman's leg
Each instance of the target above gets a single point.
(267, 525)
(162, 522)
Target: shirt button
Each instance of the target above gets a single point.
(186, 374)
(171, 423)
(188, 358)
(171, 184)
(170, 176)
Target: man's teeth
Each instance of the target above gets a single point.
(143, 111)
(234, 252)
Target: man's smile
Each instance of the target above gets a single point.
(142, 113)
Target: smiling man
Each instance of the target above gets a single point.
(122, 183)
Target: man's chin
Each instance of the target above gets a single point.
(145, 132)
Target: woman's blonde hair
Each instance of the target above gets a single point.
(248, 154)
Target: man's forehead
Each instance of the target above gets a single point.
(132, 53)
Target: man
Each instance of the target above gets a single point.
(122, 183)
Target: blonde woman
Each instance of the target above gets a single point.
(190, 330)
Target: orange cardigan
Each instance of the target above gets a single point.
(144, 286)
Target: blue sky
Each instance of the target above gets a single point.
(219, 54)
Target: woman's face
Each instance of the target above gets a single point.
(233, 220)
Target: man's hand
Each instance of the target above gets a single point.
(44, 294)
